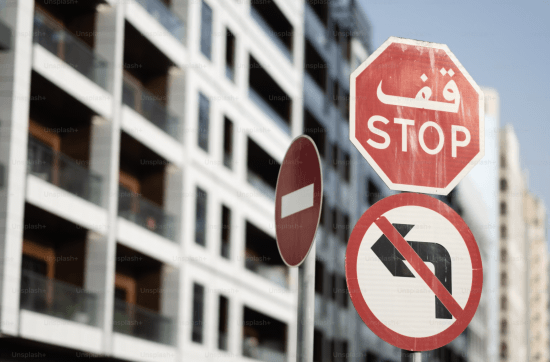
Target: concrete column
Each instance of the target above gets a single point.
(105, 148)
(15, 82)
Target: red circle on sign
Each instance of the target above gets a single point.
(382, 331)
(298, 200)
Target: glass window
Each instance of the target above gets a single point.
(229, 55)
(226, 232)
(223, 323)
(198, 313)
(228, 143)
(200, 224)
(204, 121)
(206, 30)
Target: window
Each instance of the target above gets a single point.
(503, 184)
(206, 30)
(315, 66)
(228, 143)
(317, 346)
(503, 279)
(503, 208)
(198, 313)
(229, 55)
(344, 351)
(335, 93)
(502, 161)
(313, 129)
(503, 350)
(200, 224)
(223, 323)
(503, 232)
(345, 293)
(503, 303)
(373, 192)
(503, 255)
(346, 227)
(226, 232)
(204, 121)
(347, 167)
(503, 326)
(335, 156)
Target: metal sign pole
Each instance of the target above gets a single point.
(408, 356)
(306, 307)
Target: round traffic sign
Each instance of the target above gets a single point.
(298, 200)
(415, 108)
(414, 271)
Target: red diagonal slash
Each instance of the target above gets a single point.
(419, 266)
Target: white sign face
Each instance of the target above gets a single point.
(414, 271)
(393, 298)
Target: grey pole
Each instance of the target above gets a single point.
(408, 356)
(306, 307)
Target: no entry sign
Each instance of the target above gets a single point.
(298, 199)
(414, 271)
(417, 116)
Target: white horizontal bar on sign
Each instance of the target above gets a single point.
(297, 201)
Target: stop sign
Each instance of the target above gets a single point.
(417, 116)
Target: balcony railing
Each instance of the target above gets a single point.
(259, 183)
(147, 104)
(70, 49)
(142, 323)
(56, 298)
(268, 110)
(277, 274)
(166, 17)
(270, 33)
(144, 213)
(262, 352)
(60, 170)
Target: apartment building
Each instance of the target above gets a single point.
(141, 141)
(513, 254)
(536, 234)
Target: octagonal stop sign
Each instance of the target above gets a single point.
(417, 116)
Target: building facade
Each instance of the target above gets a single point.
(141, 142)
(535, 223)
(513, 254)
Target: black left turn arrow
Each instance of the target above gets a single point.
(428, 252)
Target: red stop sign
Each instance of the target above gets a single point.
(417, 116)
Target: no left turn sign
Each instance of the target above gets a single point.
(414, 271)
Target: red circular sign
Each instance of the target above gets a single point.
(387, 258)
(417, 116)
(298, 199)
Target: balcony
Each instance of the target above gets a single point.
(166, 17)
(70, 49)
(268, 110)
(58, 299)
(270, 33)
(59, 170)
(262, 353)
(259, 183)
(147, 104)
(146, 214)
(142, 323)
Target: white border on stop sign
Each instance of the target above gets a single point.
(374, 165)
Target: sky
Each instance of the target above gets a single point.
(503, 44)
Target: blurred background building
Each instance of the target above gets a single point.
(140, 142)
